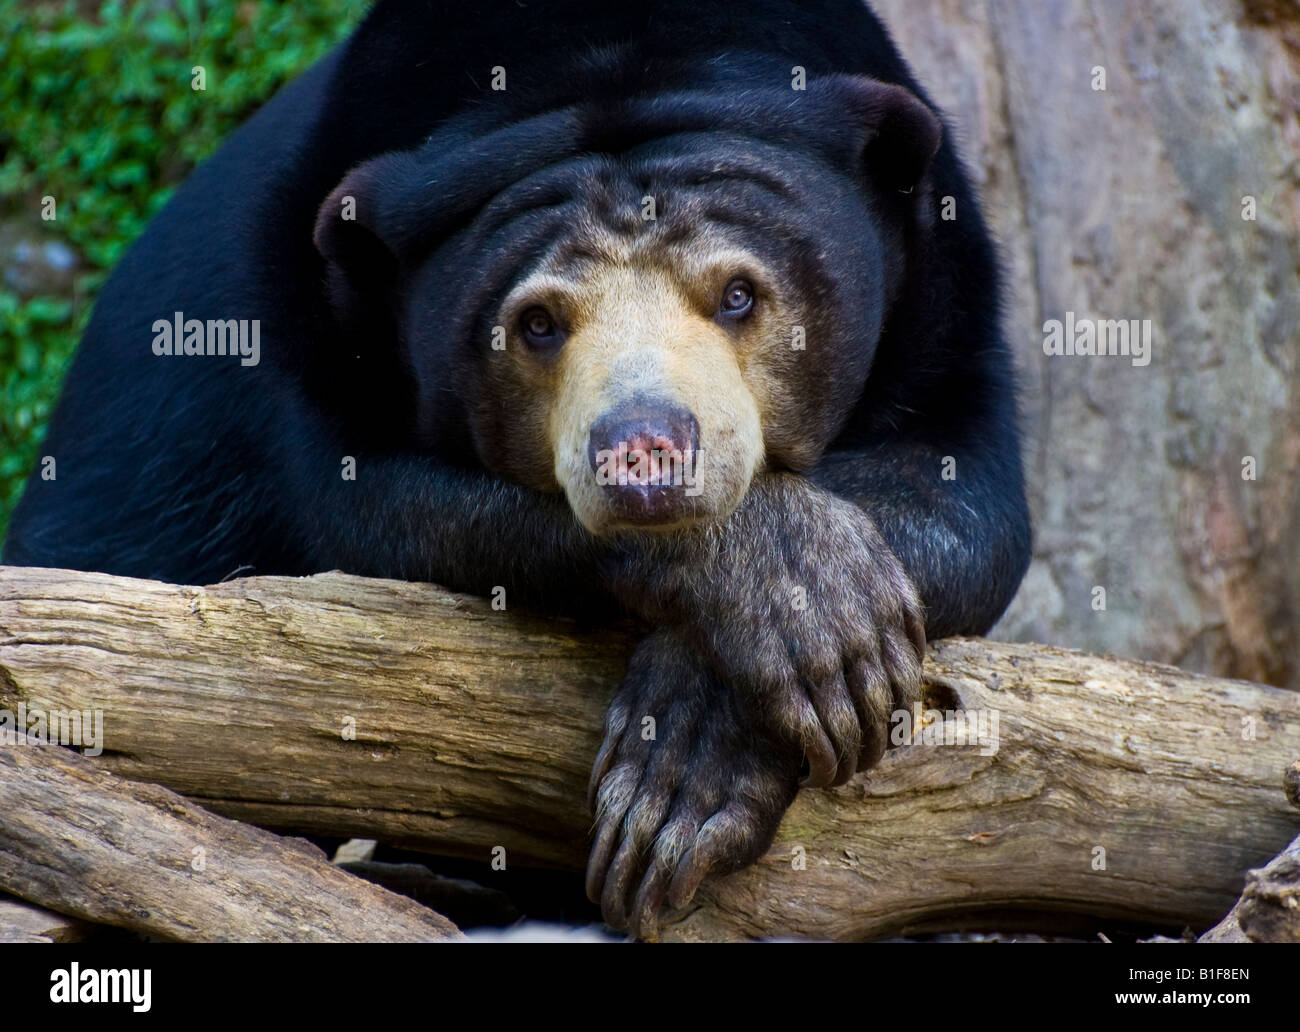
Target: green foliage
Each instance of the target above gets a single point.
(97, 110)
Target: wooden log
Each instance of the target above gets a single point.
(1269, 908)
(22, 922)
(87, 843)
(400, 712)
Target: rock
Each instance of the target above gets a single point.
(354, 851)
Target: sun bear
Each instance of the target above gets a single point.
(681, 311)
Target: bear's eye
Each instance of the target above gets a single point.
(738, 298)
(539, 328)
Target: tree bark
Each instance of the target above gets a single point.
(344, 706)
(95, 846)
(22, 922)
(1171, 195)
(1269, 908)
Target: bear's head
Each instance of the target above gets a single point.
(642, 303)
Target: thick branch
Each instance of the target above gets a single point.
(343, 706)
(79, 839)
(1269, 908)
(22, 922)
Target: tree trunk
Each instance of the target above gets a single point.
(1128, 203)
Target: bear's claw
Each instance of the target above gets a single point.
(695, 792)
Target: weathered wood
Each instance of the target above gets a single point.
(475, 728)
(22, 922)
(1269, 908)
(99, 847)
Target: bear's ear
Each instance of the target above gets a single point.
(902, 133)
(389, 210)
(356, 226)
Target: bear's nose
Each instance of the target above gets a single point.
(644, 457)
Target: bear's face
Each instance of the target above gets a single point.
(637, 358)
(686, 327)
(644, 329)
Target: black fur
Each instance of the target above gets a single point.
(188, 469)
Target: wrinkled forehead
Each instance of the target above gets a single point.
(689, 205)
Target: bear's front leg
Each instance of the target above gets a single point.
(687, 783)
(797, 603)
